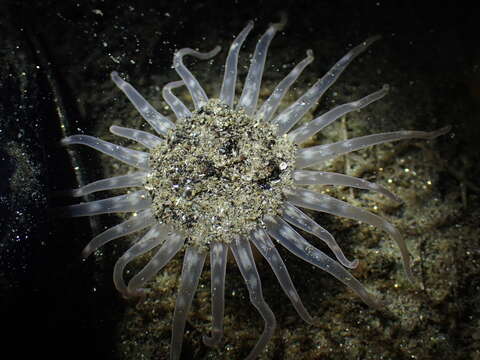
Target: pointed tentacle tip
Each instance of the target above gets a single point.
(215, 50)
(440, 132)
(65, 141)
(369, 41)
(375, 303)
(115, 76)
(179, 54)
(352, 264)
(310, 320)
(283, 21)
(391, 195)
(86, 252)
(114, 129)
(140, 293)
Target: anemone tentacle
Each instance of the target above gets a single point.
(268, 108)
(297, 245)
(243, 256)
(291, 115)
(218, 265)
(150, 240)
(266, 247)
(178, 107)
(144, 138)
(143, 219)
(325, 203)
(160, 123)
(199, 96)
(136, 201)
(172, 244)
(302, 133)
(116, 182)
(248, 99)
(227, 93)
(309, 177)
(321, 153)
(296, 217)
(192, 268)
(139, 159)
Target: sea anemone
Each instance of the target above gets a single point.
(223, 176)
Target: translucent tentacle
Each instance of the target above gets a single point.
(124, 203)
(135, 223)
(173, 243)
(218, 264)
(192, 268)
(301, 134)
(116, 182)
(149, 241)
(160, 123)
(327, 204)
(307, 177)
(227, 93)
(321, 153)
(299, 219)
(131, 157)
(198, 94)
(266, 247)
(296, 244)
(178, 107)
(142, 137)
(249, 98)
(270, 105)
(244, 258)
(289, 117)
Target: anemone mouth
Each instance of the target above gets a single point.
(225, 177)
